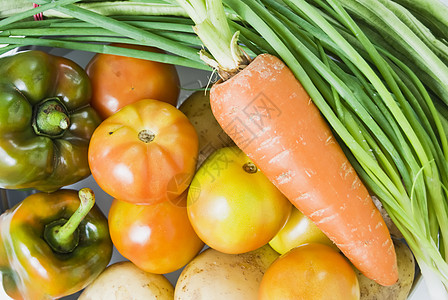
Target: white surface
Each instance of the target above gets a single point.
(420, 292)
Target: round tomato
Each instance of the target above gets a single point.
(297, 231)
(119, 80)
(231, 204)
(157, 238)
(145, 153)
(310, 272)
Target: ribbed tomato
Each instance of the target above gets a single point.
(145, 153)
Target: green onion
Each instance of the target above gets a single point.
(122, 28)
(106, 8)
(107, 49)
(31, 12)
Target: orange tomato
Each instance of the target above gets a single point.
(310, 272)
(232, 206)
(157, 238)
(119, 80)
(145, 153)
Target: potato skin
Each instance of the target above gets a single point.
(124, 281)
(211, 136)
(370, 290)
(218, 276)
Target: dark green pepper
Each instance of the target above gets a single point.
(53, 245)
(45, 121)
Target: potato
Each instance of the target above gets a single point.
(123, 280)
(211, 136)
(370, 290)
(215, 275)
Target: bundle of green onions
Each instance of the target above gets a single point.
(376, 69)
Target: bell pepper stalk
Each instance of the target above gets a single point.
(62, 235)
(53, 244)
(51, 118)
(46, 121)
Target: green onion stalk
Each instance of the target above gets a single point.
(106, 8)
(97, 31)
(377, 71)
(92, 25)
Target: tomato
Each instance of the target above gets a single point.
(231, 204)
(297, 231)
(145, 153)
(310, 272)
(119, 80)
(157, 238)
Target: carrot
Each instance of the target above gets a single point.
(263, 107)
(269, 115)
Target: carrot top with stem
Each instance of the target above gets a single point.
(212, 27)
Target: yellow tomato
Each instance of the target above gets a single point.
(231, 204)
(297, 231)
(310, 272)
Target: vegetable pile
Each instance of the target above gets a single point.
(334, 101)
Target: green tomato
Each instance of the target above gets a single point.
(297, 231)
(231, 204)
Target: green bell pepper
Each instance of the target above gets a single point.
(45, 121)
(53, 245)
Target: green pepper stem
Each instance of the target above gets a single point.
(57, 118)
(87, 198)
(62, 235)
(51, 118)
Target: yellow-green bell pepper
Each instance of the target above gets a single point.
(45, 121)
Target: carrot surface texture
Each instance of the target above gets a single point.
(270, 116)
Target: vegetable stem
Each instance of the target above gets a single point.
(98, 48)
(147, 38)
(63, 235)
(51, 118)
(28, 13)
(213, 29)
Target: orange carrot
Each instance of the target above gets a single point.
(269, 115)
